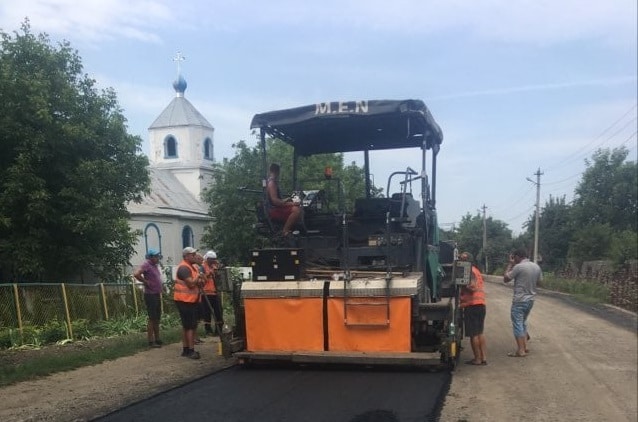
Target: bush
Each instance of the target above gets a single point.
(56, 331)
(585, 290)
(52, 332)
(9, 337)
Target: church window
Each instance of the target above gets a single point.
(208, 149)
(187, 237)
(153, 237)
(170, 147)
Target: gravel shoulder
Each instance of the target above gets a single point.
(582, 365)
(93, 391)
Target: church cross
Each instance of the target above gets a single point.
(179, 58)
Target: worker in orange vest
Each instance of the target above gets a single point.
(211, 265)
(186, 295)
(473, 305)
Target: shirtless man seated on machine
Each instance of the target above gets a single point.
(285, 211)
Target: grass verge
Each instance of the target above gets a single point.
(590, 292)
(26, 364)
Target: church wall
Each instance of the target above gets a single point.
(170, 229)
(190, 145)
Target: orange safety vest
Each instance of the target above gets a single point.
(209, 284)
(181, 292)
(474, 297)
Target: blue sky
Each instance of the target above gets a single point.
(515, 85)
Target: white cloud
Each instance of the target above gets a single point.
(539, 87)
(89, 20)
(524, 21)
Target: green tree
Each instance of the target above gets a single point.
(469, 237)
(624, 246)
(232, 233)
(608, 191)
(555, 232)
(68, 166)
(605, 208)
(591, 243)
(231, 199)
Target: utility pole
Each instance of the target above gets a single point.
(537, 216)
(485, 240)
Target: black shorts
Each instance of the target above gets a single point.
(204, 309)
(474, 317)
(188, 314)
(153, 306)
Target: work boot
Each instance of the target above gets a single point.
(193, 355)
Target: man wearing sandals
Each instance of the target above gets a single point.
(473, 305)
(525, 274)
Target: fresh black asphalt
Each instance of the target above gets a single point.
(268, 394)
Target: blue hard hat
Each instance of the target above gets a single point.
(152, 252)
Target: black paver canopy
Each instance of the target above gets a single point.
(352, 126)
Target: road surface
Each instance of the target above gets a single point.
(581, 367)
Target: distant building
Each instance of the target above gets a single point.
(181, 158)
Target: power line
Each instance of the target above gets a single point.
(516, 217)
(608, 128)
(512, 204)
(629, 138)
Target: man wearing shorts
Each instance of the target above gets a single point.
(473, 305)
(149, 274)
(526, 274)
(287, 212)
(186, 296)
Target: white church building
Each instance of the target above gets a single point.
(173, 216)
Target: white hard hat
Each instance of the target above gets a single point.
(210, 255)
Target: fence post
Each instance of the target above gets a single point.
(18, 311)
(134, 297)
(67, 314)
(106, 309)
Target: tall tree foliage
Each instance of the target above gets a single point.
(67, 169)
(469, 237)
(231, 199)
(233, 207)
(555, 232)
(605, 208)
(608, 192)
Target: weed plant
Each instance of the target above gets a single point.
(583, 290)
(55, 332)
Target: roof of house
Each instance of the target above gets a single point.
(168, 198)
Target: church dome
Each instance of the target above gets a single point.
(180, 85)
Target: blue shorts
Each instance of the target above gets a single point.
(519, 313)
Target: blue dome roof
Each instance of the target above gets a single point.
(180, 85)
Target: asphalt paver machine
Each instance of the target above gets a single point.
(366, 284)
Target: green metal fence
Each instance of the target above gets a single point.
(33, 305)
